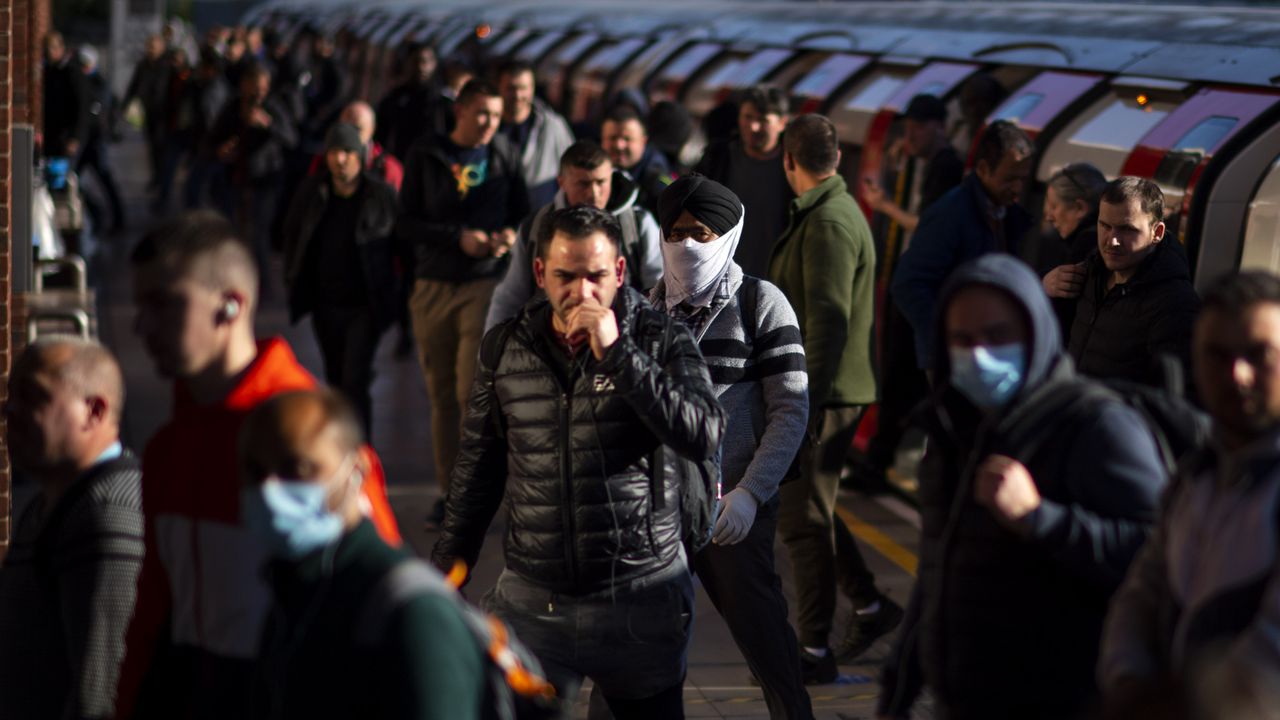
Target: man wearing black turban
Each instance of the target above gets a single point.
(701, 223)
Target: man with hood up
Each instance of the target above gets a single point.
(1038, 490)
(587, 177)
(749, 335)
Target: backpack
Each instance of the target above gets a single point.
(1177, 427)
(699, 480)
(514, 685)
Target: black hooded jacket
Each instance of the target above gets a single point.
(1119, 333)
(1005, 622)
(573, 456)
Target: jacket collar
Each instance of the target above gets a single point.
(276, 369)
(819, 194)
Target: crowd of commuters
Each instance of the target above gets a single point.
(657, 372)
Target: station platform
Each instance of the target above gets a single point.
(717, 685)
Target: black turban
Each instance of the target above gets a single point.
(713, 204)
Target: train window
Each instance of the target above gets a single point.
(1016, 110)
(667, 85)
(532, 50)
(875, 92)
(1262, 228)
(1105, 134)
(1180, 162)
(828, 76)
(507, 42)
(638, 69)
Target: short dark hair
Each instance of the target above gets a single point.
(999, 139)
(189, 236)
(766, 99)
(513, 66)
(623, 112)
(1233, 294)
(476, 87)
(811, 141)
(1148, 194)
(584, 154)
(579, 222)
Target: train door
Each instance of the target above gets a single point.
(1176, 152)
(1240, 208)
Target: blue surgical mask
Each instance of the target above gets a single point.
(292, 516)
(988, 375)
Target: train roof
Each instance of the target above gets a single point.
(1239, 45)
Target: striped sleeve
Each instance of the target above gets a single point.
(778, 365)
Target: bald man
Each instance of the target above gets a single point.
(67, 583)
(382, 164)
(202, 599)
(420, 660)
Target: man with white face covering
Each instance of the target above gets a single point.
(748, 334)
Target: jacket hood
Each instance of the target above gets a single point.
(622, 194)
(1007, 273)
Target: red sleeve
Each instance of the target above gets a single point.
(150, 611)
(314, 167)
(375, 491)
(395, 173)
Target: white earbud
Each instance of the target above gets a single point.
(231, 309)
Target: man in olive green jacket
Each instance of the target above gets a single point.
(825, 263)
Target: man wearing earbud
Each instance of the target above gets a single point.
(202, 599)
(339, 266)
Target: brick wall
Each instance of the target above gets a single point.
(9, 44)
(23, 24)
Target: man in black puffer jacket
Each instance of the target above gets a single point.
(580, 407)
(1138, 301)
(1038, 489)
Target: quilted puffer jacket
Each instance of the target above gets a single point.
(571, 445)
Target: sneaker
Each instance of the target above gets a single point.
(864, 630)
(818, 670)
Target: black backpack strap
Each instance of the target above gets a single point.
(1065, 400)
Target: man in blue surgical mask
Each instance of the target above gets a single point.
(1038, 489)
(300, 456)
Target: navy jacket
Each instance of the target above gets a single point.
(1004, 622)
(951, 232)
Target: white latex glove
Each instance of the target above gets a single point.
(737, 513)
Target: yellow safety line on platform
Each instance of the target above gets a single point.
(868, 534)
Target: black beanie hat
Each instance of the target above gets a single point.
(713, 204)
(343, 136)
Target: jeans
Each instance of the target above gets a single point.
(632, 641)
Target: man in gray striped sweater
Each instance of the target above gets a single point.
(67, 583)
(748, 334)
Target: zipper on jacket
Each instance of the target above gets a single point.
(566, 477)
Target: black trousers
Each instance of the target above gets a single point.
(348, 339)
(903, 385)
(745, 588)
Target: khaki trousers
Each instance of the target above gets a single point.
(448, 323)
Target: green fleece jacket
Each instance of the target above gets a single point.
(825, 263)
